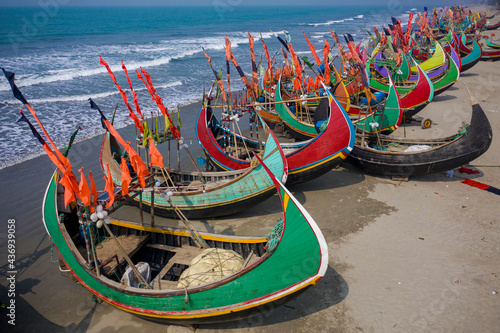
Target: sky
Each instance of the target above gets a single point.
(22, 3)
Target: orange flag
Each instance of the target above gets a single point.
(156, 157)
(84, 189)
(110, 187)
(135, 160)
(313, 51)
(70, 186)
(93, 190)
(326, 52)
(132, 115)
(126, 179)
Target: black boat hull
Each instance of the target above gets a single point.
(438, 159)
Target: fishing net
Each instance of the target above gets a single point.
(209, 266)
(274, 237)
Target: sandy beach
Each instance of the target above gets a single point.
(405, 256)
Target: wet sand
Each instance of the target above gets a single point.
(416, 256)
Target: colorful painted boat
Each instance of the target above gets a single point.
(298, 129)
(491, 44)
(306, 159)
(413, 95)
(385, 120)
(493, 26)
(277, 269)
(490, 55)
(204, 194)
(391, 156)
(445, 78)
(471, 58)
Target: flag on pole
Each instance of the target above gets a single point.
(126, 179)
(110, 187)
(156, 157)
(93, 190)
(17, 94)
(313, 51)
(84, 189)
(159, 102)
(217, 76)
(134, 94)
(135, 160)
(132, 115)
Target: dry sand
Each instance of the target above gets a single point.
(416, 256)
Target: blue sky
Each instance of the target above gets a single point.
(416, 3)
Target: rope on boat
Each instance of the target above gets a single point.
(274, 237)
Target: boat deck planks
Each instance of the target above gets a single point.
(108, 248)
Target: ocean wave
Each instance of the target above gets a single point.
(84, 97)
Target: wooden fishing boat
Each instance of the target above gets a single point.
(274, 270)
(437, 155)
(491, 44)
(203, 194)
(471, 57)
(493, 26)
(413, 96)
(306, 159)
(490, 55)
(299, 127)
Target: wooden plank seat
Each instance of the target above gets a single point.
(108, 249)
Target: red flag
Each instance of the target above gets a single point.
(137, 107)
(296, 63)
(70, 185)
(326, 52)
(255, 79)
(156, 157)
(313, 51)
(138, 165)
(266, 51)
(227, 47)
(135, 160)
(83, 188)
(110, 187)
(93, 190)
(132, 115)
(126, 179)
(159, 102)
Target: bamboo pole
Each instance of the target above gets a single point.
(129, 261)
(196, 166)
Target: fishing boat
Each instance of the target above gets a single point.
(198, 194)
(164, 280)
(471, 56)
(493, 26)
(297, 118)
(490, 55)
(491, 44)
(413, 95)
(306, 159)
(405, 157)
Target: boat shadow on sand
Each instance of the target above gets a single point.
(24, 310)
(332, 289)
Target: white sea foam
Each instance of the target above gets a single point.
(85, 97)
